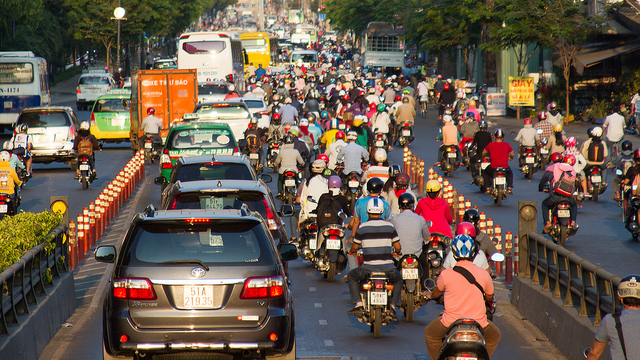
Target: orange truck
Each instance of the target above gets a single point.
(171, 92)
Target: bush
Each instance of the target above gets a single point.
(21, 232)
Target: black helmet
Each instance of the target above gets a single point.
(471, 216)
(406, 201)
(394, 170)
(499, 134)
(374, 185)
(288, 139)
(627, 145)
(483, 125)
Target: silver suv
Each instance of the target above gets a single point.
(92, 85)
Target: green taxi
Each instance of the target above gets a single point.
(110, 116)
(196, 138)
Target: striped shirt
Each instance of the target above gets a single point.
(376, 238)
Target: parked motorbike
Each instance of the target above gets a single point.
(329, 258)
(86, 174)
(152, 150)
(498, 191)
(272, 154)
(450, 161)
(290, 185)
(353, 189)
(528, 161)
(376, 301)
(412, 272)
(560, 223)
(406, 134)
(595, 185)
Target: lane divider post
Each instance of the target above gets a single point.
(82, 249)
(498, 236)
(508, 264)
(73, 245)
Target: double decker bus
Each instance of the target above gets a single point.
(382, 46)
(24, 83)
(261, 48)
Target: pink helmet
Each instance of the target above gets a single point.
(571, 142)
(466, 228)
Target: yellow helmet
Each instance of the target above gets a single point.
(357, 122)
(557, 127)
(432, 186)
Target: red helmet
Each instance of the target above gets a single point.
(570, 159)
(466, 228)
(346, 97)
(372, 105)
(275, 116)
(542, 115)
(324, 158)
(339, 135)
(636, 155)
(151, 111)
(446, 86)
(361, 92)
(527, 121)
(556, 157)
(398, 98)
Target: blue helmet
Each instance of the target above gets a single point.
(463, 247)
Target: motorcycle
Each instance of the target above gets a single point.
(254, 152)
(436, 250)
(450, 161)
(468, 150)
(380, 142)
(476, 171)
(630, 206)
(411, 271)
(353, 189)
(595, 185)
(290, 185)
(560, 223)
(527, 161)
(544, 152)
(86, 174)
(376, 301)
(8, 206)
(464, 340)
(406, 134)
(308, 238)
(272, 154)
(498, 190)
(152, 150)
(329, 258)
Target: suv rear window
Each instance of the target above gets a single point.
(213, 171)
(220, 242)
(212, 89)
(93, 80)
(222, 200)
(200, 139)
(254, 104)
(111, 105)
(222, 111)
(44, 118)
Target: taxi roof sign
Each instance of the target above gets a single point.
(189, 117)
(94, 71)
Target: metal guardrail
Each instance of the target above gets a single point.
(22, 282)
(576, 281)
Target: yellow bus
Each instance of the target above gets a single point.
(261, 48)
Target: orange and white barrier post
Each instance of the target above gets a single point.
(73, 245)
(467, 205)
(460, 208)
(498, 236)
(421, 175)
(87, 227)
(482, 224)
(516, 255)
(405, 160)
(92, 224)
(508, 264)
(490, 227)
(82, 249)
(432, 174)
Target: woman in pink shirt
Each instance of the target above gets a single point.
(435, 209)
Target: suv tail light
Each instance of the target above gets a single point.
(166, 160)
(72, 133)
(133, 289)
(78, 91)
(93, 119)
(263, 287)
(271, 220)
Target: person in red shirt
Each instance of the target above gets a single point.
(501, 153)
(232, 92)
(435, 209)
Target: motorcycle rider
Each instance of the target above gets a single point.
(526, 136)
(84, 135)
(15, 160)
(288, 158)
(379, 169)
(553, 115)
(435, 209)
(463, 299)
(556, 141)
(381, 121)
(404, 113)
(377, 238)
(392, 195)
(288, 113)
(253, 134)
(329, 136)
(365, 136)
(150, 126)
(613, 127)
(621, 330)
(480, 257)
(501, 153)
(552, 175)
(10, 179)
(625, 162)
(412, 229)
(334, 148)
(314, 128)
(276, 130)
(352, 155)
(232, 92)
(595, 150)
(481, 139)
(449, 136)
(544, 125)
(581, 162)
(484, 241)
(447, 98)
(315, 186)
(468, 128)
(23, 140)
(330, 205)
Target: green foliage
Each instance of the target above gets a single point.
(598, 109)
(356, 14)
(66, 75)
(21, 232)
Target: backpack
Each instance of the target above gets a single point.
(85, 147)
(595, 152)
(625, 164)
(566, 183)
(327, 211)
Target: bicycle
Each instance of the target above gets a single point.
(423, 107)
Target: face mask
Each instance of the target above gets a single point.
(335, 191)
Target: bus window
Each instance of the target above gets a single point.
(204, 47)
(16, 73)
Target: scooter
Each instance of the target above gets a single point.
(86, 174)
(272, 154)
(405, 137)
(560, 223)
(411, 271)
(450, 161)
(353, 189)
(308, 238)
(290, 185)
(595, 185)
(436, 250)
(498, 190)
(152, 150)
(528, 161)
(329, 258)
(376, 301)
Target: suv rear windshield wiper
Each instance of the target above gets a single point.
(185, 262)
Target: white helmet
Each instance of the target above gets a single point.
(375, 206)
(5, 156)
(447, 118)
(304, 122)
(7, 145)
(84, 125)
(596, 132)
(380, 155)
(318, 166)
(287, 100)
(232, 88)
(352, 135)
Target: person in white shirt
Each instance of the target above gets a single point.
(613, 127)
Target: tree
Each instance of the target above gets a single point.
(355, 15)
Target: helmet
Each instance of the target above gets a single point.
(394, 170)
(151, 111)
(254, 121)
(304, 122)
(381, 107)
(397, 98)
(466, 228)
(275, 118)
(499, 134)
(446, 86)
(287, 100)
(595, 131)
(553, 105)
(5, 156)
(334, 123)
(483, 125)
(335, 182)
(471, 216)
(447, 118)
(557, 128)
(406, 201)
(357, 122)
(405, 100)
(556, 157)
(470, 115)
(402, 180)
(374, 185)
(636, 155)
(626, 145)
(439, 76)
(339, 135)
(528, 121)
(288, 139)
(324, 114)
(542, 115)
(432, 186)
(346, 97)
(318, 166)
(84, 125)
(449, 81)
(232, 88)
(352, 135)
(463, 247)
(311, 117)
(281, 83)
(571, 141)
(372, 90)
(294, 131)
(375, 205)
(380, 155)
(570, 159)
(7, 145)
(472, 102)
(406, 91)
(372, 105)
(629, 287)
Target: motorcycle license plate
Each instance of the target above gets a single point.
(342, 127)
(466, 358)
(596, 179)
(275, 152)
(333, 244)
(290, 182)
(313, 244)
(253, 156)
(452, 155)
(409, 274)
(84, 167)
(544, 151)
(198, 297)
(379, 143)
(500, 181)
(378, 298)
(4, 208)
(148, 145)
(484, 165)
(406, 132)
(564, 213)
(353, 183)
(529, 160)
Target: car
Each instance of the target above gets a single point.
(212, 91)
(126, 85)
(305, 58)
(111, 116)
(91, 85)
(223, 194)
(257, 106)
(235, 113)
(196, 283)
(189, 138)
(164, 63)
(53, 129)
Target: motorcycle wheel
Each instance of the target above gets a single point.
(289, 198)
(596, 193)
(147, 157)
(331, 274)
(563, 235)
(377, 322)
(529, 174)
(85, 183)
(408, 311)
(498, 200)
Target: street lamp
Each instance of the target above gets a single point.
(118, 14)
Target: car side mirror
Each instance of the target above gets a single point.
(160, 180)
(287, 210)
(288, 252)
(105, 254)
(266, 178)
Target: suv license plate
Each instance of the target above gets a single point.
(378, 298)
(84, 167)
(409, 274)
(289, 182)
(529, 160)
(313, 243)
(596, 179)
(198, 297)
(452, 155)
(500, 181)
(333, 244)
(4, 208)
(253, 156)
(564, 213)
(406, 132)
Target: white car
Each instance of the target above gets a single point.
(256, 105)
(212, 91)
(91, 86)
(234, 113)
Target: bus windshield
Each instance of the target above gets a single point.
(296, 57)
(255, 44)
(16, 73)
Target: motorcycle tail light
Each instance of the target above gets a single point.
(3, 198)
(313, 227)
(83, 159)
(594, 170)
(262, 287)
(563, 206)
(467, 336)
(500, 174)
(290, 174)
(409, 263)
(334, 232)
(389, 287)
(378, 284)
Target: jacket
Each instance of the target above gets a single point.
(438, 212)
(527, 136)
(288, 158)
(405, 112)
(6, 170)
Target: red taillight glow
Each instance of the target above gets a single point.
(271, 220)
(78, 91)
(378, 284)
(133, 289)
(290, 174)
(594, 170)
(434, 243)
(197, 221)
(3, 198)
(563, 206)
(166, 160)
(409, 260)
(334, 232)
(124, 338)
(273, 337)
(213, 163)
(263, 288)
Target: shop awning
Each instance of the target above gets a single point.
(586, 58)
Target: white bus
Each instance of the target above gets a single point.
(215, 55)
(24, 83)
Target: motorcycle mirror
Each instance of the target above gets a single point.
(429, 284)
(287, 210)
(497, 257)
(586, 352)
(266, 178)
(429, 223)
(619, 172)
(539, 131)
(342, 215)
(160, 180)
